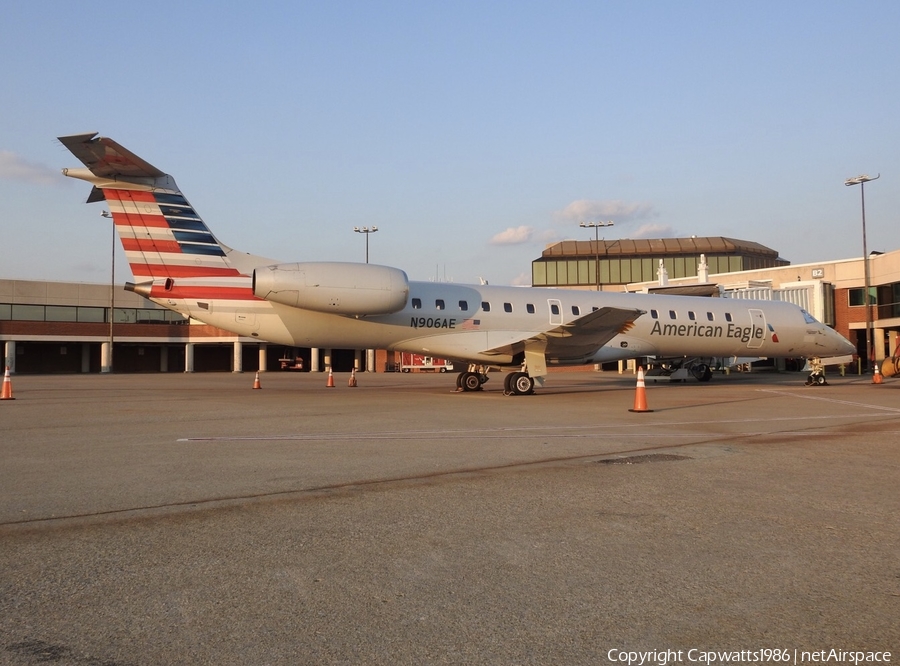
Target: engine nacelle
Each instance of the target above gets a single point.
(334, 287)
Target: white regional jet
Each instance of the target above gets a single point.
(178, 263)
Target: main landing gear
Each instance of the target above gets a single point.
(470, 380)
(514, 383)
(518, 383)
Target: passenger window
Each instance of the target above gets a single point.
(727, 316)
(691, 315)
(654, 314)
(463, 305)
(576, 310)
(710, 316)
(672, 314)
(439, 304)
(507, 307)
(554, 308)
(530, 308)
(417, 303)
(485, 306)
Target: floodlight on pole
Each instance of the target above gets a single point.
(366, 231)
(596, 227)
(861, 180)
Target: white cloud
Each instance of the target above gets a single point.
(654, 231)
(513, 236)
(597, 209)
(522, 280)
(13, 167)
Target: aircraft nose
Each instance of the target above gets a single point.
(841, 345)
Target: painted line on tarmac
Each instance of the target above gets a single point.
(506, 432)
(895, 410)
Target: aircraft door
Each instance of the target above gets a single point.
(555, 307)
(757, 329)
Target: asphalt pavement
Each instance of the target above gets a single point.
(189, 519)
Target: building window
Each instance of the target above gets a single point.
(61, 313)
(857, 296)
(96, 315)
(28, 312)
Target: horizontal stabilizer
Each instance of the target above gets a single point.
(107, 159)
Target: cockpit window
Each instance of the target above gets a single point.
(808, 317)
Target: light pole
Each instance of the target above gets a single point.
(366, 231)
(861, 181)
(112, 291)
(596, 227)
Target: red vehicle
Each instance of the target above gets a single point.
(420, 363)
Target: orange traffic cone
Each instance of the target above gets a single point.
(6, 393)
(256, 381)
(330, 383)
(877, 378)
(640, 394)
(352, 381)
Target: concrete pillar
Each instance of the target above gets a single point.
(237, 364)
(9, 355)
(357, 359)
(164, 358)
(105, 357)
(370, 360)
(189, 357)
(85, 357)
(263, 353)
(327, 358)
(892, 342)
(314, 360)
(878, 341)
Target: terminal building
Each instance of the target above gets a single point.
(53, 327)
(573, 264)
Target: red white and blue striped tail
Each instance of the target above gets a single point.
(172, 252)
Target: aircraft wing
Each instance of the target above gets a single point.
(577, 337)
(107, 159)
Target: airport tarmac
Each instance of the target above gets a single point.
(189, 519)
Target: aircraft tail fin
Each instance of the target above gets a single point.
(172, 252)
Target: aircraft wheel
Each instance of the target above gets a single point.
(470, 381)
(701, 372)
(522, 384)
(507, 383)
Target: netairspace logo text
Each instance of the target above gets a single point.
(765, 656)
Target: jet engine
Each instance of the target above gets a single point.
(334, 287)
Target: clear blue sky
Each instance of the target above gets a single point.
(471, 133)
